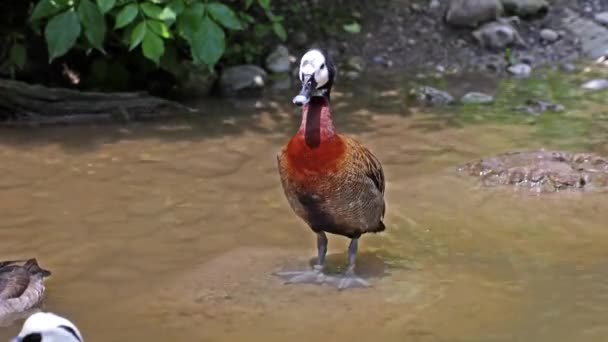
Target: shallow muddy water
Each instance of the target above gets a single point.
(169, 231)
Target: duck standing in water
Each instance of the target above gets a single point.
(21, 287)
(48, 327)
(334, 183)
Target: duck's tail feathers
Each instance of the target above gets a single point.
(381, 227)
(32, 266)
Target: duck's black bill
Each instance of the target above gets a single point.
(308, 85)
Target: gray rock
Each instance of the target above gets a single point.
(476, 98)
(498, 35)
(592, 36)
(278, 60)
(471, 13)
(597, 84)
(549, 35)
(241, 78)
(431, 96)
(536, 107)
(520, 70)
(434, 4)
(601, 18)
(525, 8)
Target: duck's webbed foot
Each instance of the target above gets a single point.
(349, 279)
(314, 276)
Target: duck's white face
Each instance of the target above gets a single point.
(313, 63)
(314, 74)
(48, 327)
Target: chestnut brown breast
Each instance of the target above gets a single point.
(336, 186)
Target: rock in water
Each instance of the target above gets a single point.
(542, 171)
(432, 97)
(476, 98)
(525, 8)
(597, 84)
(278, 60)
(241, 78)
(471, 13)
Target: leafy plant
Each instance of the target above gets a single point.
(155, 27)
(14, 57)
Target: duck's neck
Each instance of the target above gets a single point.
(317, 125)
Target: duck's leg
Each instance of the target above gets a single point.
(349, 279)
(314, 276)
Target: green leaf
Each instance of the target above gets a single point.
(153, 47)
(248, 3)
(209, 42)
(151, 10)
(279, 30)
(46, 8)
(168, 14)
(352, 28)
(61, 33)
(138, 34)
(190, 21)
(176, 6)
(224, 15)
(105, 5)
(18, 55)
(159, 28)
(126, 15)
(247, 18)
(94, 23)
(264, 3)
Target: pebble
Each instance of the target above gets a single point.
(477, 98)
(520, 70)
(434, 4)
(432, 97)
(602, 18)
(549, 35)
(597, 84)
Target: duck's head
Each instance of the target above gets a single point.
(317, 76)
(48, 327)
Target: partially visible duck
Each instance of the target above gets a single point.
(21, 286)
(333, 182)
(48, 327)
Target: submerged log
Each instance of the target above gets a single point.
(26, 104)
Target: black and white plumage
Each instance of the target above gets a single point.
(48, 327)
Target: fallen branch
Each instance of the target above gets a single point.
(26, 104)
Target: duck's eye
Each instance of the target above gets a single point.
(33, 337)
(322, 66)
